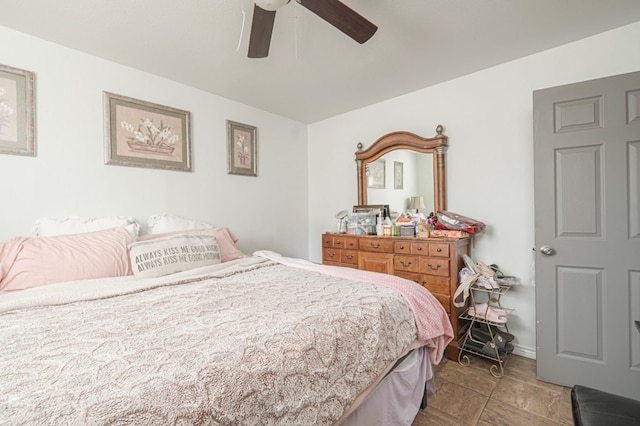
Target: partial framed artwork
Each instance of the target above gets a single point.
(143, 134)
(17, 111)
(241, 149)
(376, 171)
(398, 175)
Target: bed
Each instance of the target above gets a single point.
(260, 339)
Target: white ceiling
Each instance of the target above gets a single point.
(314, 71)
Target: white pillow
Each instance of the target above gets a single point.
(171, 223)
(164, 256)
(51, 227)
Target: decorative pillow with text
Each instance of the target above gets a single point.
(224, 237)
(176, 253)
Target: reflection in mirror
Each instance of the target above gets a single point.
(416, 179)
(423, 171)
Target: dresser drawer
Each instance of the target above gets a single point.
(331, 255)
(434, 266)
(351, 243)
(438, 250)
(327, 241)
(380, 245)
(403, 247)
(420, 248)
(435, 284)
(349, 256)
(406, 263)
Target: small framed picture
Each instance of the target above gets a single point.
(241, 149)
(398, 175)
(17, 112)
(144, 134)
(376, 174)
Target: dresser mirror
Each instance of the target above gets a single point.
(401, 165)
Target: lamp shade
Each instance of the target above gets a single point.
(271, 4)
(416, 203)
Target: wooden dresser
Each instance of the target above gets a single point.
(431, 262)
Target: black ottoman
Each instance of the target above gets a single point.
(594, 407)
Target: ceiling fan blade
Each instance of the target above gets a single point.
(261, 29)
(342, 17)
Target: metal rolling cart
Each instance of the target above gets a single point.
(488, 334)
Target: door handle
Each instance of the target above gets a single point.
(547, 251)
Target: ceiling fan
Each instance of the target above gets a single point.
(334, 12)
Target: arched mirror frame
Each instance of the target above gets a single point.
(436, 145)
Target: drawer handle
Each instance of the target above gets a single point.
(409, 263)
(424, 282)
(377, 245)
(349, 256)
(438, 250)
(332, 254)
(419, 248)
(401, 247)
(436, 268)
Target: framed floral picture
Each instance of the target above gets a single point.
(17, 111)
(398, 175)
(241, 149)
(144, 134)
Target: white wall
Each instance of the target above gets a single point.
(488, 118)
(68, 175)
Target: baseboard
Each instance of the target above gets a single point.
(524, 351)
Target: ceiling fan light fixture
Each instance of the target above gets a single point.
(271, 4)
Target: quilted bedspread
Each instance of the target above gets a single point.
(251, 341)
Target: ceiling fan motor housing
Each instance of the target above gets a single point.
(271, 4)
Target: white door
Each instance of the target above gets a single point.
(587, 219)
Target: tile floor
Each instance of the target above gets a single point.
(472, 396)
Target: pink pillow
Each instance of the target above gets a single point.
(33, 262)
(224, 237)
